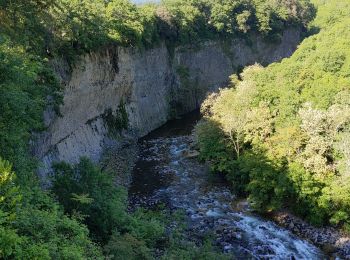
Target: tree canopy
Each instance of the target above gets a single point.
(288, 126)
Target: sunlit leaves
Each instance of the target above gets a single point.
(296, 122)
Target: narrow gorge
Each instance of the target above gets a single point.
(146, 87)
(120, 94)
(174, 129)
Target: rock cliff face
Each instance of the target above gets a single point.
(145, 87)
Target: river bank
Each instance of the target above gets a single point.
(168, 173)
(162, 168)
(332, 241)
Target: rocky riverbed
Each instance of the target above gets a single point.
(168, 172)
(333, 242)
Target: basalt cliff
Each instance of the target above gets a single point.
(120, 91)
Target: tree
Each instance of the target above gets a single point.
(87, 191)
(322, 128)
(232, 109)
(10, 196)
(124, 21)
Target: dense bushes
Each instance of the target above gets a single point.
(89, 194)
(32, 226)
(287, 126)
(25, 84)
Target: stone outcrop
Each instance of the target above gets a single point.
(333, 242)
(146, 87)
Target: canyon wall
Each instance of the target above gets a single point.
(118, 92)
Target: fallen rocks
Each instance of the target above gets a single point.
(333, 242)
(120, 159)
(191, 154)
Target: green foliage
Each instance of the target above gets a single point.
(287, 126)
(77, 26)
(267, 185)
(307, 191)
(183, 73)
(9, 194)
(126, 247)
(90, 194)
(72, 27)
(178, 245)
(25, 83)
(179, 251)
(105, 208)
(124, 21)
(148, 226)
(189, 19)
(211, 142)
(65, 27)
(116, 121)
(145, 232)
(32, 226)
(198, 19)
(151, 25)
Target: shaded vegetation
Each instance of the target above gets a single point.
(280, 134)
(116, 121)
(32, 225)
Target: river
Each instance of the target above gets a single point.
(166, 173)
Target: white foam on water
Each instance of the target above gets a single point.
(251, 235)
(283, 243)
(214, 213)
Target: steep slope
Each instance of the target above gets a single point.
(146, 88)
(282, 132)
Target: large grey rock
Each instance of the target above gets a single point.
(153, 84)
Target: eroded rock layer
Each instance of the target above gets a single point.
(129, 91)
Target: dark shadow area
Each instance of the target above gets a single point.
(176, 127)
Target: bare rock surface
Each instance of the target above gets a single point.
(151, 85)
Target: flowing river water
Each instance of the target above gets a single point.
(167, 173)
